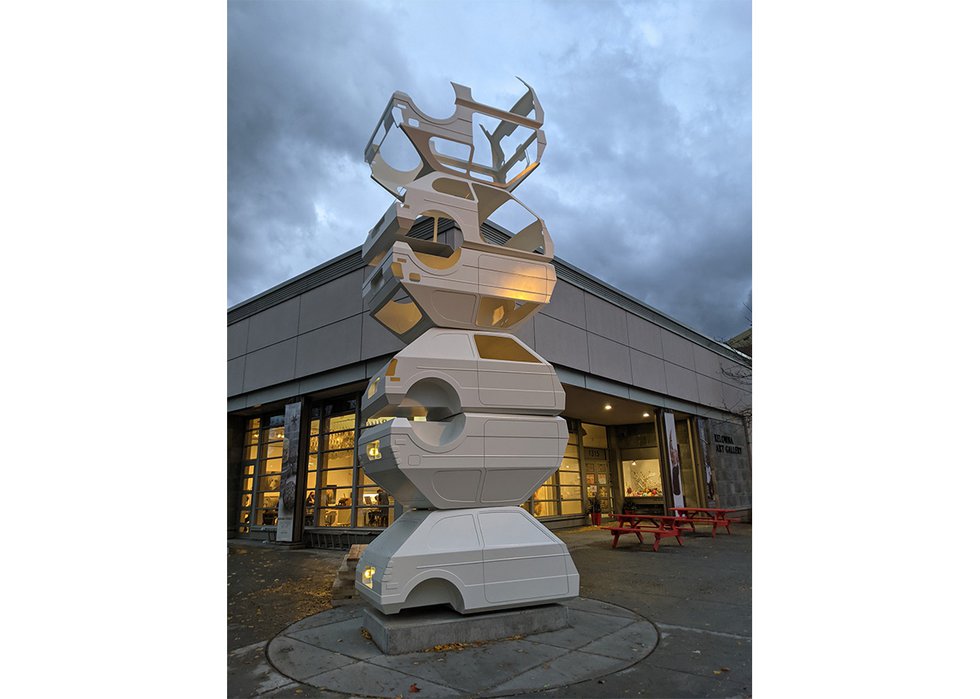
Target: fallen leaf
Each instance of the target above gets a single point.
(725, 669)
(414, 688)
(366, 634)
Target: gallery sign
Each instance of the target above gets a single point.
(725, 444)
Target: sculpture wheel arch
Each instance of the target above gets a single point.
(434, 591)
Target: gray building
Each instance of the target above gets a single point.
(637, 382)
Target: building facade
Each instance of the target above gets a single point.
(656, 411)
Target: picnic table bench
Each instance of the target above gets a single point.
(715, 516)
(660, 526)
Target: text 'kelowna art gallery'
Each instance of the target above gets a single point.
(501, 347)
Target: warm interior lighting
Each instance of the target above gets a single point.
(367, 577)
(399, 317)
(608, 407)
(374, 450)
(503, 348)
(498, 315)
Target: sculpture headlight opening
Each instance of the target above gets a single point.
(374, 451)
(367, 577)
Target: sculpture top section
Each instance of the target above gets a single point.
(458, 278)
(448, 145)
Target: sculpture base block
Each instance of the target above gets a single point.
(417, 629)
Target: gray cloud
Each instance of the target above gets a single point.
(646, 182)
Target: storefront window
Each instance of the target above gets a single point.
(641, 477)
(261, 468)
(330, 467)
(570, 477)
(545, 498)
(375, 508)
(639, 456)
(561, 494)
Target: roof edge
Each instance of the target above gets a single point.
(351, 260)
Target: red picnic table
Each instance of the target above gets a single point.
(715, 516)
(661, 526)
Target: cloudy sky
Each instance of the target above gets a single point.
(646, 181)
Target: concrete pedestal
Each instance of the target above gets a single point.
(417, 629)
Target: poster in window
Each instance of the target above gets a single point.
(602, 479)
(288, 431)
(590, 478)
(674, 459)
(705, 452)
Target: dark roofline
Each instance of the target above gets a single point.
(351, 261)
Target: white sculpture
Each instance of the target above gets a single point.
(468, 289)
(473, 559)
(476, 424)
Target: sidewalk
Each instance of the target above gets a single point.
(697, 596)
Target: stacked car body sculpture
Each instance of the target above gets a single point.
(475, 422)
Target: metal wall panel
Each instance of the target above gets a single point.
(678, 350)
(329, 303)
(561, 343)
(329, 347)
(273, 325)
(644, 336)
(603, 318)
(567, 304)
(609, 359)
(237, 339)
(681, 382)
(270, 365)
(648, 372)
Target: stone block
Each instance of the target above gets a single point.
(343, 591)
(417, 629)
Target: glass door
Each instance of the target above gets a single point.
(595, 449)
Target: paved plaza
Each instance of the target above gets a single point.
(676, 623)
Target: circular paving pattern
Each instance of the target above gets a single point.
(328, 651)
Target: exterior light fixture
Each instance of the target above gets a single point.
(367, 577)
(608, 407)
(646, 414)
(374, 450)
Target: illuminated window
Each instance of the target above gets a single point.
(503, 348)
(570, 478)
(561, 494)
(375, 507)
(261, 469)
(329, 498)
(639, 455)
